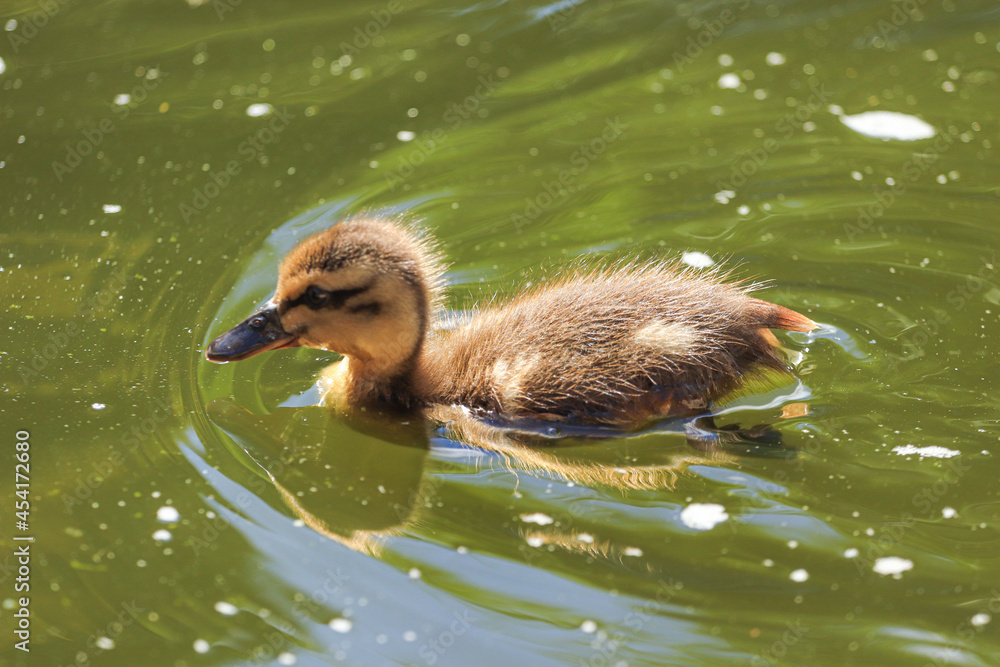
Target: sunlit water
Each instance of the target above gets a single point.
(159, 160)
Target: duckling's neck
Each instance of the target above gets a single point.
(356, 382)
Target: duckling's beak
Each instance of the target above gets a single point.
(260, 332)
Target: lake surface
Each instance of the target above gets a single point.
(157, 159)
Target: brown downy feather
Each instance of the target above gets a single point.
(614, 347)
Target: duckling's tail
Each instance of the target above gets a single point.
(774, 316)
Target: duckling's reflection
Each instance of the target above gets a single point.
(355, 481)
(358, 477)
(538, 446)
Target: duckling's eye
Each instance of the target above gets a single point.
(315, 296)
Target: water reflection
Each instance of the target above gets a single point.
(356, 481)
(359, 478)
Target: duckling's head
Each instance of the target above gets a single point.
(364, 288)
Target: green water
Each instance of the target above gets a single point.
(137, 228)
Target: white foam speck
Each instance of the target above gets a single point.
(932, 452)
(537, 517)
(586, 538)
(980, 619)
(168, 514)
(105, 643)
(201, 646)
(162, 535)
(405, 135)
(729, 80)
(98, 406)
(799, 575)
(112, 208)
(226, 608)
(723, 196)
(257, 110)
(851, 553)
(3, 66)
(948, 512)
(703, 516)
(123, 99)
(893, 565)
(632, 551)
(698, 260)
(775, 58)
(589, 627)
(889, 125)
(341, 625)
(535, 541)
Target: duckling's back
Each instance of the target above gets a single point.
(611, 348)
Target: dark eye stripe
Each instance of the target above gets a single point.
(373, 308)
(335, 299)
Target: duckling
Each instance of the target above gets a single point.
(617, 347)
